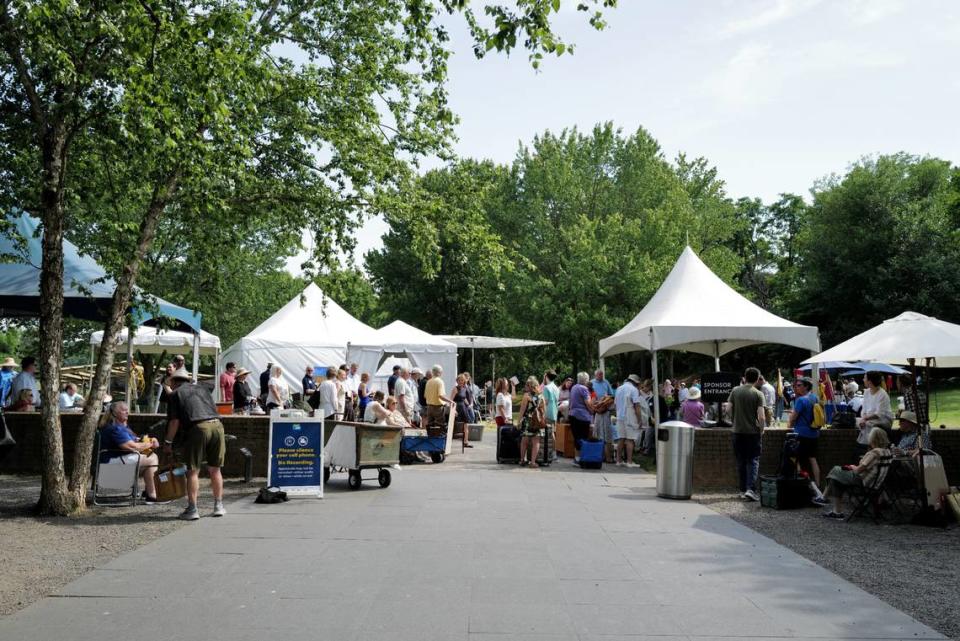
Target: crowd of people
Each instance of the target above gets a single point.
(873, 418)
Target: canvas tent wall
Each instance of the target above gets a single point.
(400, 339)
(695, 311)
(314, 333)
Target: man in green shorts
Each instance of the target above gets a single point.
(191, 408)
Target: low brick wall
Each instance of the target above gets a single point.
(251, 433)
(714, 468)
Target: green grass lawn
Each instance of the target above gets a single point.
(945, 407)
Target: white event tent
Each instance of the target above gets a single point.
(909, 336)
(151, 340)
(398, 339)
(695, 311)
(313, 332)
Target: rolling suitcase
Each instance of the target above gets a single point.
(508, 444)
(547, 447)
(591, 454)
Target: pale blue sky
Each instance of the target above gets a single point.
(775, 93)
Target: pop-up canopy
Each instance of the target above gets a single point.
(150, 340)
(909, 336)
(695, 311)
(87, 290)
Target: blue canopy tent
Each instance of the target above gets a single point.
(87, 289)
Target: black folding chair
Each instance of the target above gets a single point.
(870, 494)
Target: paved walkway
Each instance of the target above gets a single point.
(465, 550)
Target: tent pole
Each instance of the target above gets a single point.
(493, 374)
(93, 371)
(216, 378)
(716, 356)
(196, 357)
(656, 389)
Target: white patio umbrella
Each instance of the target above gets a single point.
(908, 337)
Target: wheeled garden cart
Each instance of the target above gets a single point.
(354, 447)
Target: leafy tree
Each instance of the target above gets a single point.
(878, 241)
(124, 115)
(445, 272)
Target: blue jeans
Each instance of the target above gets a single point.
(747, 449)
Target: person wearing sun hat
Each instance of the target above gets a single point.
(691, 410)
(242, 394)
(6, 378)
(191, 408)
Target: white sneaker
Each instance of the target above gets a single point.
(632, 464)
(750, 494)
(622, 464)
(218, 509)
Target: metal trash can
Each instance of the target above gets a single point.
(675, 460)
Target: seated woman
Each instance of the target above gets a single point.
(394, 417)
(841, 479)
(23, 402)
(531, 418)
(910, 438)
(115, 434)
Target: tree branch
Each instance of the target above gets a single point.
(11, 44)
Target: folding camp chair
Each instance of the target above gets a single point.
(903, 489)
(117, 480)
(869, 496)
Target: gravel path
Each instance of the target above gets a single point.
(41, 555)
(910, 567)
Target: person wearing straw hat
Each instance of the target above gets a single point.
(191, 408)
(6, 378)
(243, 396)
(910, 435)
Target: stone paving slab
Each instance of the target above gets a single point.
(469, 551)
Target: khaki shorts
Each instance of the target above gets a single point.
(206, 444)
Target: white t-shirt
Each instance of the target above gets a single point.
(69, 401)
(404, 388)
(769, 394)
(328, 398)
(505, 407)
(877, 403)
(277, 384)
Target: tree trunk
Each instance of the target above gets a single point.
(54, 496)
(80, 477)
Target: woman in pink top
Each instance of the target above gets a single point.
(692, 409)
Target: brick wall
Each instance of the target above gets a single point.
(713, 464)
(251, 432)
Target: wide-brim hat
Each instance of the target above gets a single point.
(416, 370)
(634, 379)
(181, 375)
(907, 415)
(243, 372)
(9, 362)
(694, 393)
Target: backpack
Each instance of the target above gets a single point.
(819, 416)
(535, 418)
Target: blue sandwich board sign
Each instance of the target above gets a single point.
(296, 453)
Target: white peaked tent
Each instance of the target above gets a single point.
(398, 339)
(695, 311)
(314, 333)
(898, 340)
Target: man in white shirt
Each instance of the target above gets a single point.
(327, 407)
(69, 399)
(405, 394)
(352, 384)
(26, 379)
(629, 405)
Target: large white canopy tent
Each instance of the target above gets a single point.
(313, 332)
(908, 337)
(398, 339)
(695, 311)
